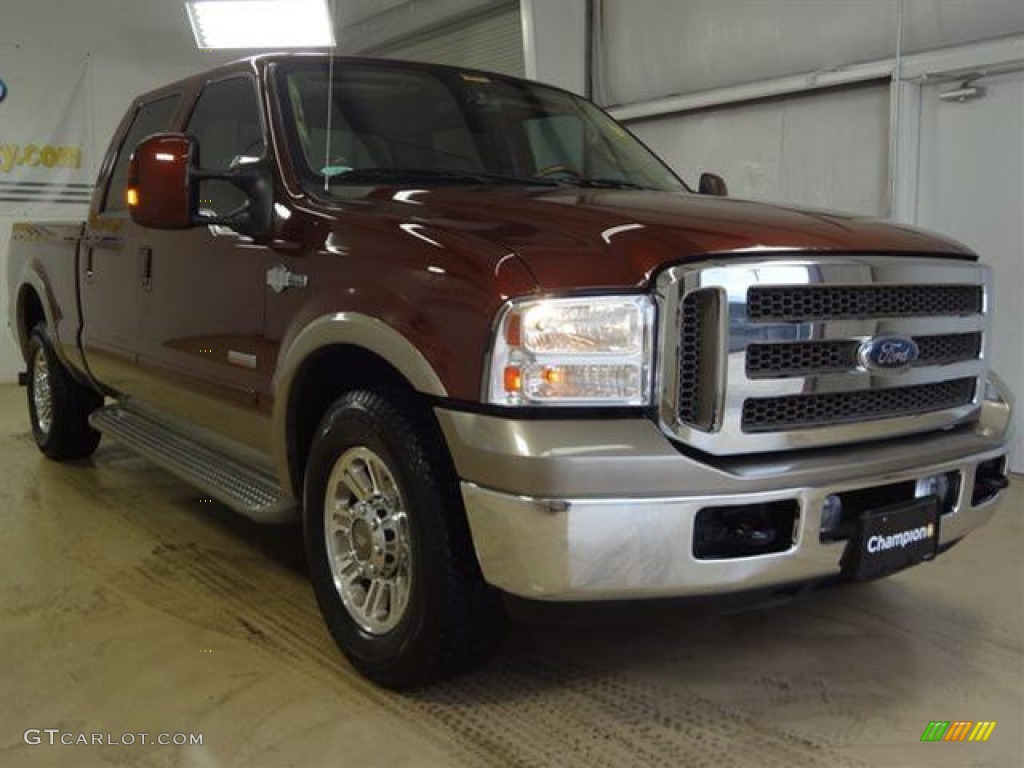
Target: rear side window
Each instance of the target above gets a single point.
(226, 123)
(150, 118)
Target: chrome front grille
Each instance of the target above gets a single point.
(767, 355)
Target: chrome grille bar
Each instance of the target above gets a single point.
(847, 302)
(771, 414)
(803, 357)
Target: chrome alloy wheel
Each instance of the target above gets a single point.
(42, 397)
(368, 545)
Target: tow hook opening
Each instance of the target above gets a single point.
(722, 533)
(989, 479)
(841, 512)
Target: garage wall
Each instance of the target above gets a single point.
(971, 186)
(828, 149)
(654, 48)
(818, 148)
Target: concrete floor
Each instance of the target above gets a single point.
(129, 604)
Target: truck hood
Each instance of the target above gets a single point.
(579, 238)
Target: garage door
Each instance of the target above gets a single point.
(971, 186)
(491, 41)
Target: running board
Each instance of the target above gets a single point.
(248, 490)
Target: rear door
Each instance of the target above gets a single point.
(111, 277)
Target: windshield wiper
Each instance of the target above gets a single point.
(454, 176)
(399, 175)
(604, 183)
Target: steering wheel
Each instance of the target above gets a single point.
(551, 170)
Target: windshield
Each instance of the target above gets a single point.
(401, 124)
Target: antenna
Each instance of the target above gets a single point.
(330, 98)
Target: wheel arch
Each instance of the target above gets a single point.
(34, 302)
(331, 355)
(29, 312)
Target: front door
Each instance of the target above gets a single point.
(203, 356)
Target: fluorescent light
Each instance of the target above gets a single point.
(261, 23)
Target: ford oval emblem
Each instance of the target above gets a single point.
(887, 353)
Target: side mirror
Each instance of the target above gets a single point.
(712, 184)
(159, 192)
(163, 188)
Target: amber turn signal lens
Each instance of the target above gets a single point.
(513, 379)
(131, 196)
(552, 375)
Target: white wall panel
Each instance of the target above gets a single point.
(555, 42)
(971, 186)
(825, 149)
(655, 48)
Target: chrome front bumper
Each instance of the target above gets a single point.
(594, 510)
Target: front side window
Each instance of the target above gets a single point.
(227, 126)
(153, 117)
(380, 123)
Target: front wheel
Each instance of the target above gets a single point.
(58, 406)
(389, 550)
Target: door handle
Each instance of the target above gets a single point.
(147, 267)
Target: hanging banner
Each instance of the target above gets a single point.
(46, 167)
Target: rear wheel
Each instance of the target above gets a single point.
(58, 406)
(390, 555)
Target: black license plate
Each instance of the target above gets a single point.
(892, 538)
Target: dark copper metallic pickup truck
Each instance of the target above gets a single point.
(484, 341)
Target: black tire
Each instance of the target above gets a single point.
(451, 618)
(64, 433)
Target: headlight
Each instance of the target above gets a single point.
(579, 351)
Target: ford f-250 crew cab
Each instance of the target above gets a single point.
(484, 341)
